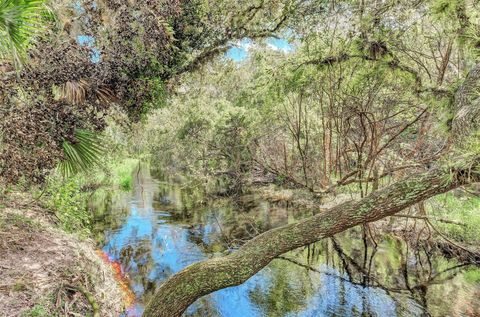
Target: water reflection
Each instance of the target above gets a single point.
(158, 229)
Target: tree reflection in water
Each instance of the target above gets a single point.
(159, 229)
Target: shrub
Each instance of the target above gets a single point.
(68, 202)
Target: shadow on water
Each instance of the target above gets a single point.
(156, 230)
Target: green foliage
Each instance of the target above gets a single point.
(36, 311)
(472, 144)
(126, 183)
(460, 208)
(141, 52)
(445, 6)
(82, 154)
(472, 276)
(122, 172)
(19, 21)
(68, 201)
(462, 16)
(193, 127)
(154, 92)
(276, 110)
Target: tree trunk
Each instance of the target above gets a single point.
(182, 289)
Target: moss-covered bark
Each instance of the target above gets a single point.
(199, 279)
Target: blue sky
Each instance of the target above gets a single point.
(237, 53)
(89, 41)
(240, 51)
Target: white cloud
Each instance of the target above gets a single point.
(278, 49)
(245, 44)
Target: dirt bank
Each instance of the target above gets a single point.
(46, 272)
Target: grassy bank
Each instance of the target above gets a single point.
(49, 234)
(67, 198)
(47, 272)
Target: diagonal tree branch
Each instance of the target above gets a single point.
(182, 289)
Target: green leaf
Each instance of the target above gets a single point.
(81, 155)
(20, 20)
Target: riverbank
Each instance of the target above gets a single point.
(47, 272)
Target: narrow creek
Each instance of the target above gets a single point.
(155, 230)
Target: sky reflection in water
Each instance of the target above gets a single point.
(152, 243)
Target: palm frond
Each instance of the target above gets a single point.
(74, 91)
(105, 95)
(19, 21)
(82, 154)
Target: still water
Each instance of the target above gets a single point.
(157, 229)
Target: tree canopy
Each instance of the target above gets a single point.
(377, 101)
(99, 54)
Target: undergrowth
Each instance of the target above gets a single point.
(462, 208)
(68, 201)
(123, 173)
(68, 197)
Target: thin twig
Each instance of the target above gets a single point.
(428, 218)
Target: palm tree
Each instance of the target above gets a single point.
(83, 154)
(19, 21)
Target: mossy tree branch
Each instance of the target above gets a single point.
(181, 290)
